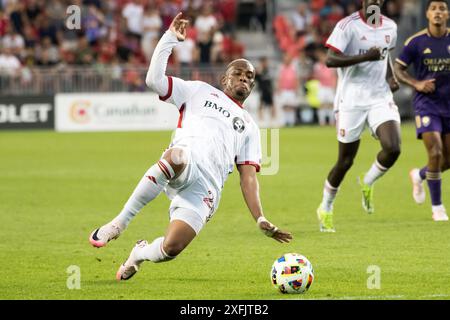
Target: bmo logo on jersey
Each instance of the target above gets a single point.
(212, 105)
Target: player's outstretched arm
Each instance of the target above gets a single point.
(425, 86)
(339, 60)
(250, 190)
(156, 78)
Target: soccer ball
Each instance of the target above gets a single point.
(292, 273)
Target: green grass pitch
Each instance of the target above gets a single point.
(55, 188)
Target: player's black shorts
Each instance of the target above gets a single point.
(266, 99)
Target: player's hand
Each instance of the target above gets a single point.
(426, 86)
(272, 231)
(393, 84)
(374, 54)
(178, 27)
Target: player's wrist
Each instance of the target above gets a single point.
(261, 219)
(172, 34)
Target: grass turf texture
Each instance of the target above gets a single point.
(56, 188)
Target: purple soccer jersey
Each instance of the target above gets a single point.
(431, 59)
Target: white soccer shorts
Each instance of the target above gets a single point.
(350, 123)
(192, 191)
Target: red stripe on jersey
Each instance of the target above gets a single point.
(344, 23)
(333, 48)
(169, 91)
(250, 163)
(180, 118)
(235, 101)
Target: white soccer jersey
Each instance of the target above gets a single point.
(218, 132)
(215, 127)
(364, 84)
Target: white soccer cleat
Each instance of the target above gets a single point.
(418, 189)
(101, 236)
(440, 214)
(129, 268)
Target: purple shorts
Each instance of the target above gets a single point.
(432, 123)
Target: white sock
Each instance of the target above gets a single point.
(153, 252)
(329, 194)
(374, 173)
(152, 183)
(437, 208)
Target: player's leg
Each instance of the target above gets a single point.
(346, 155)
(170, 166)
(350, 125)
(384, 122)
(184, 226)
(418, 176)
(389, 135)
(434, 145)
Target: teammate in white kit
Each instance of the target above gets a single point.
(214, 133)
(359, 46)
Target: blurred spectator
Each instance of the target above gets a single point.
(14, 41)
(301, 18)
(133, 12)
(232, 48)
(34, 9)
(327, 88)
(46, 28)
(287, 89)
(3, 23)
(258, 19)
(151, 27)
(30, 37)
(17, 15)
(206, 24)
(9, 64)
(264, 81)
(227, 9)
(94, 25)
(186, 51)
(84, 53)
(56, 11)
(47, 53)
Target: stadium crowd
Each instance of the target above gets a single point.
(121, 35)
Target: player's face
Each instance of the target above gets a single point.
(239, 79)
(437, 13)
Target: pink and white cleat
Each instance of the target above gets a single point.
(101, 236)
(418, 189)
(129, 268)
(439, 213)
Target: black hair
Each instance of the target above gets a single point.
(430, 1)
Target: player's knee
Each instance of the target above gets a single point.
(435, 155)
(345, 164)
(173, 248)
(177, 158)
(393, 151)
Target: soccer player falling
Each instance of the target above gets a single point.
(359, 46)
(429, 52)
(214, 133)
